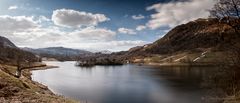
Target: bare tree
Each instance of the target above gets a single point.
(23, 60)
(19, 64)
(227, 11)
(226, 80)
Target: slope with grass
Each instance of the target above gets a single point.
(203, 41)
(23, 89)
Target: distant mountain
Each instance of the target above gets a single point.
(104, 52)
(5, 42)
(59, 53)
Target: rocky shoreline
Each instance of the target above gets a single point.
(24, 90)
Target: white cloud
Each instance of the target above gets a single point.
(126, 31)
(39, 32)
(24, 31)
(121, 45)
(140, 27)
(93, 34)
(37, 8)
(43, 18)
(175, 13)
(14, 7)
(73, 18)
(16, 23)
(54, 36)
(37, 37)
(88, 38)
(138, 17)
(113, 45)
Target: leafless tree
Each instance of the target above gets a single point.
(19, 60)
(227, 11)
(23, 61)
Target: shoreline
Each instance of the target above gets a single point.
(179, 64)
(43, 67)
(24, 89)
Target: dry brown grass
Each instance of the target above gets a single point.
(24, 90)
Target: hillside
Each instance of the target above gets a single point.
(201, 33)
(187, 42)
(59, 53)
(9, 52)
(4, 42)
(23, 89)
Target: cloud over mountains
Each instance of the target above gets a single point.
(28, 25)
(16, 23)
(126, 31)
(73, 18)
(175, 13)
(70, 28)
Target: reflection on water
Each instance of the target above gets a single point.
(124, 84)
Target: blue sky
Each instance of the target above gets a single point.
(113, 25)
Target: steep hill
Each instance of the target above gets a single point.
(9, 52)
(4, 42)
(189, 41)
(23, 89)
(201, 33)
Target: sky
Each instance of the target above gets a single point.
(95, 25)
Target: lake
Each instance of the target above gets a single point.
(124, 84)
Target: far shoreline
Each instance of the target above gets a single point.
(179, 64)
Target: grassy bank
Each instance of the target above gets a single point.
(182, 64)
(23, 89)
(204, 58)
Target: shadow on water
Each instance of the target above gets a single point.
(125, 83)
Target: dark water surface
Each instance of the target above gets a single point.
(124, 84)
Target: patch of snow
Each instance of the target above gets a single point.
(201, 56)
(179, 58)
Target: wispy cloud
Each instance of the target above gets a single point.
(12, 7)
(138, 17)
(175, 13)
(126, 31)
(140, 27)
(28, 31)
(73, 18)
(16, 23)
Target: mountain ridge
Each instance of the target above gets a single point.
(9, 53)
(201, 33)
(187, 42)
(59, 53)
(5, 42)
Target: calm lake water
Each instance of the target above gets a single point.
(124, 84)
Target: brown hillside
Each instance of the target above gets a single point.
(201, 33)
